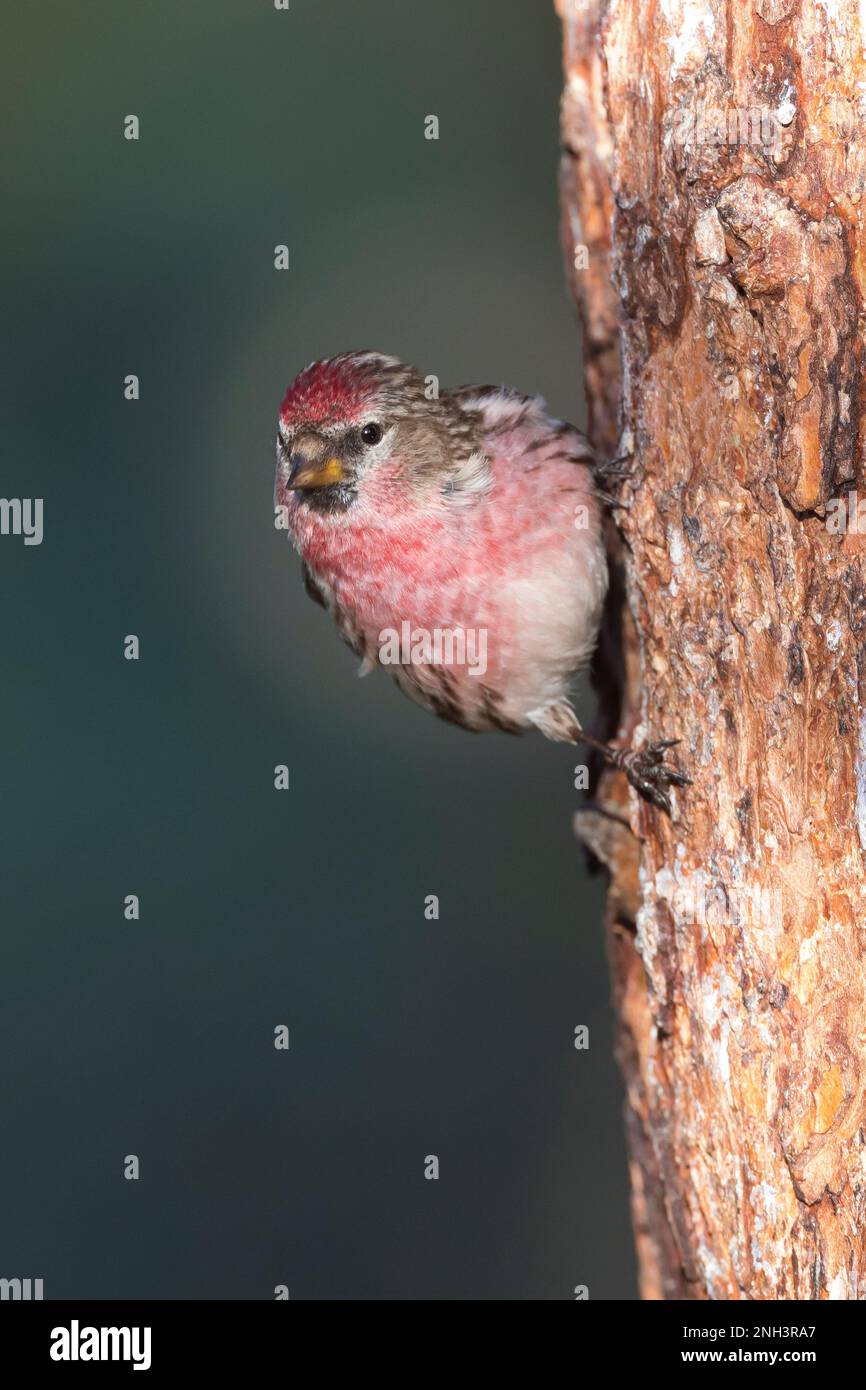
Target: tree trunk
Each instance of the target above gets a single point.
(714, 170)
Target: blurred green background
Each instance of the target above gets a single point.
(408, 1037)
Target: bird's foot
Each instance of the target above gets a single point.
(648, 772)
(609, 474)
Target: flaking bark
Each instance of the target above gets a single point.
(722, 300)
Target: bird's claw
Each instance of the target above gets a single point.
(648, 772)
(609, 474)
(614, 471)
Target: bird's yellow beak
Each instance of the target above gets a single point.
(307, 473)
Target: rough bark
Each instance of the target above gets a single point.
(723, 306)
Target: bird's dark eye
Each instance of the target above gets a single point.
(371, 434)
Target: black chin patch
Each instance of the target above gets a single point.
(336, 498)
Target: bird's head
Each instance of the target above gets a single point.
(364, 428)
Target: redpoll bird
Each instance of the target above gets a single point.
(455, 538)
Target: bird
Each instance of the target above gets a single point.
(456, 539)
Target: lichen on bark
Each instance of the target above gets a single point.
(714, 167)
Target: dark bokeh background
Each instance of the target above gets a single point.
(409, 1037)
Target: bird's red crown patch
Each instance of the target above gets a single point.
(336, 389)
